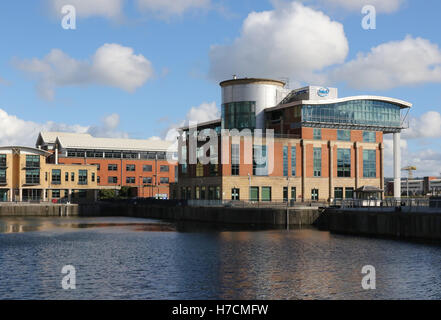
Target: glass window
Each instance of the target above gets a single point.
(349, 193)
(260, 165)
(147, 180)
(130, 167)
(93, 176)
(338, 193)
(82, 177)
(239, 115)
(235, 159)
(164, 169)
(266, 193)
(33, 176)
(112, 180)
(56, 194)
(293, 193)
(293, 160)
(344, 163)
(314, 194)
(2, 176)
(164, 180)
(317, 162)
(254, 193)
(56, 176)
(130, 180)
(2, 161)
(317, 134)
(66, 177)
(32, 161)
(369, 136)
(369, 163)
(235, 194)
(112, 167)
(147, 168)
(344, 135)
(199, 170)
(72, 176)
(285, 161)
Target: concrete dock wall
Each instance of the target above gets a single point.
(426, 226)
(39, 210)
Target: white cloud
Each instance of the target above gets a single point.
(427, 125)
(291, 40)
(166, 8)
(16, 131)
(411, 61)
(112, 65)
(90, 8)
(385, 6)
(202, 113)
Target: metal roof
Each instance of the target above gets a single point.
(51, 137)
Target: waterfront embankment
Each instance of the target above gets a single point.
(38, 210)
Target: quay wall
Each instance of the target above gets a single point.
(38, 210)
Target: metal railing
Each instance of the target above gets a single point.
(390, 204)
(253, 204)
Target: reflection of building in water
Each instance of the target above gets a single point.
(324, 146)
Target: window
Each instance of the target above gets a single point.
(343, 135)
(317, 134)
(2, 161)
(130, 167)
(317, 162)
(112, 167)
(164, 168)
(260, 167)
(285, 161)
(188, 196)
(314, 194)
(293, 193)
(147, 168)
(266, 193)
(217, 195)
(112, 180)
(349, 193)
(98, 166)
(32, 161)
(254, 193)
(56, 194)
(112, 155)
(235, 194)
(199, 170)
(239, 115)
(338, 193)
(56, 176)
(203, 192)
(94, 154)
(285, 194)
(211, 193)
(197, 192)
(369, 136)
(82, 177)
(235, 159)
(93, 176)
(369, 164)
(72, 176)
(147, 180)
(344, 163)
(128, 155)
(164, 180)
(130, 180)
(66, 177)
(76, 154)
(98, 179)
(2, 176)
(293, 161)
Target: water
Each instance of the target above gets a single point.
(123, 258)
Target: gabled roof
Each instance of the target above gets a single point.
(51, 136)
(27, 149)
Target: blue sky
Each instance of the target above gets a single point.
(179, 69)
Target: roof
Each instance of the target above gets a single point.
(50, 137)
(27, 149)
(401, 103)
(252, 80)
(205, 124)
(369, 189)
(91, 143)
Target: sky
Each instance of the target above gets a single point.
(139, 68)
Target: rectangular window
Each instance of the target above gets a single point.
(56, 194)
(344, 163)
(147, 180)
(72, 176)
(66, 177)
(260, 166)
(199, 170)
(98, 166)
(203, 192)
(344, 135)
(314, 194)
(293, 160)
(254, 193)
(317, 134)
(285, 194)
(2, 161)
(147, 168)
(32, 161)
(112, 180)
(93, 176)
(317, 162)
(293, 193)
(211, 193)
(369, 163)
(235, 159)
(33, 176)
(164, 168)
(197, 193)
(285, 161)
(164, 180)
(82, 177)
(266, 193)
(98, 179)
(130, 180)
(56, 176)
(369, 136)
(235, 194)
(349, 193)
(2, 176)
(112, 167)
(338, 193)
(130, 167)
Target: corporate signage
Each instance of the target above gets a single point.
(323, 92)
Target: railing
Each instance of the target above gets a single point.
(390, 204)
(253, 204)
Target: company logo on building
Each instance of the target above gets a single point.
(323, 92)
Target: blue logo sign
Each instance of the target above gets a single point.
(323, 92)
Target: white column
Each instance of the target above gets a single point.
(44, 195)
(69, 195)
(397, 165)
(21, 194)
(56, 155)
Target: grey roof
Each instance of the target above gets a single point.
(51, 136)
(369, 189)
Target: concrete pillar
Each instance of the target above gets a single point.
(20, 194)
(303, 169)
(56, 155)
(382, 169)
(44, 195)
(69, 195)
(11, 194)
(331, 169)
(357, 165)
(397, 165)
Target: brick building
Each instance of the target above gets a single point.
(320, 147)
(147, 167)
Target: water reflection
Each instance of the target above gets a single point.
(122, 258)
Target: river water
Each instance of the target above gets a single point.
(125, 258)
